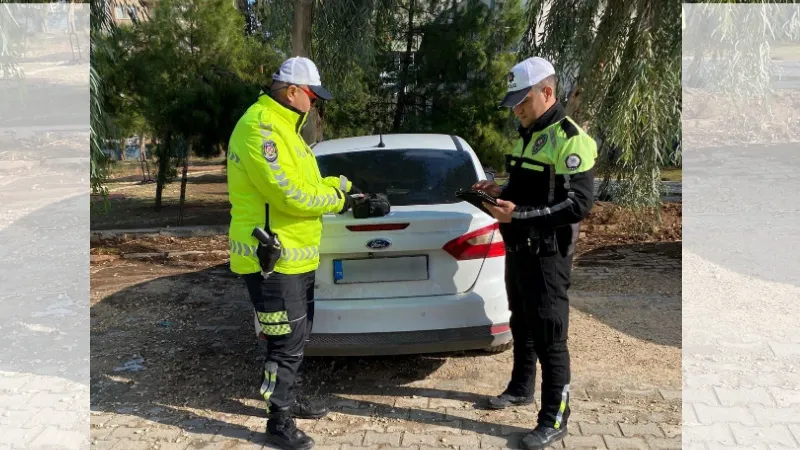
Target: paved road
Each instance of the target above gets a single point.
(741, 279)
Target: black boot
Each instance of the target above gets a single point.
(283, 433)
(542, 437)
(505, 400)
(304, 408)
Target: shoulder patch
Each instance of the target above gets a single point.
(569, 128)
(270, 150)
(573, 161)
(539, 143)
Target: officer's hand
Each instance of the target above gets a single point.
(502, 212)
(348, 203)
(490, 187)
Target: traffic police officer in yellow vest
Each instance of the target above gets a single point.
(274, 183)
(550, 190)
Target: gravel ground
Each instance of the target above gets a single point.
(187, 323)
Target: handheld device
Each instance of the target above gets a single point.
(476, 198)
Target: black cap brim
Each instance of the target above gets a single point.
(321, 92)
(512, 98)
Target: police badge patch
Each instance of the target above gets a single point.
(539, 143)
(270, 150)
(573, 161)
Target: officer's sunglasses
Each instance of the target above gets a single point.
(311, 95)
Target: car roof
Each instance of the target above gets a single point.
(391, 142)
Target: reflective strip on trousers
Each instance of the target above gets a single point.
(563, 407)
(270, 378)
(299, 254)
(274, 323)
(272, 318)
(276, 330)
(240, 248)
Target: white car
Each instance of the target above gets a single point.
(429, 276)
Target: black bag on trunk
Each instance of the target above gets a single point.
(372, 205)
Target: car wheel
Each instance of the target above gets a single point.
(501, 348)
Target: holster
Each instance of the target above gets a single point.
(372, 205)
(268, 251)
(559, 240)
(269, 247)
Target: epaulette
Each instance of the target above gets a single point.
(569, 128)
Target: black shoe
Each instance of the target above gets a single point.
(543, 437)
(305, 409)
(505, 400)
(283, 433)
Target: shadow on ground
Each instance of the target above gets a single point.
(44, 290)
(138, 212)
(649, 317)
(189, 345)
(741, 212)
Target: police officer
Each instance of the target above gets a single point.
(274, 183)
(549, 191)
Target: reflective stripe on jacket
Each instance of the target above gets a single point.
(269, 163)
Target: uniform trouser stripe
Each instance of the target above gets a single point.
(270, 378)
(563, 407)
(270, 297)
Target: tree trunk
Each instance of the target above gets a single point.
(401, 92)
(184, 178)
(122, 149)
(301, 46)
(301, 31)
(163, 154)
(142, 151)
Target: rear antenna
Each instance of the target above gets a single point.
(381, 144)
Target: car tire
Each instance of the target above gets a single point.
(501, 348)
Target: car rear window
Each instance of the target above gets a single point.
(407, 177)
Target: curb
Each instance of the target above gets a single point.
(196, 231)
(157, 255)
(175, 254)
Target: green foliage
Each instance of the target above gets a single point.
(461, 77)
(352, 112)
(101, 24)
(189, 71)
(626, 70)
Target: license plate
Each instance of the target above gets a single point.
(380, 270)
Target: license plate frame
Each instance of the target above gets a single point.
(340, 268)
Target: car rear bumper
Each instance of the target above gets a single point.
(408, 342)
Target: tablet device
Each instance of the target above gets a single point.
(476, 198)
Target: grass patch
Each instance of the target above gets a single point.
(672, 174)
(786, 52)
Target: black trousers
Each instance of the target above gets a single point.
(537, 296)
(284, 306)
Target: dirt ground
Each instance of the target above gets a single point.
(173, 348)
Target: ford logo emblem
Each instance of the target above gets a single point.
(378, 244)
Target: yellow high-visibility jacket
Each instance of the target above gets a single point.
(270, 163)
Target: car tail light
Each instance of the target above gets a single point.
(378, 227)
(499, 329)
(482, 243)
